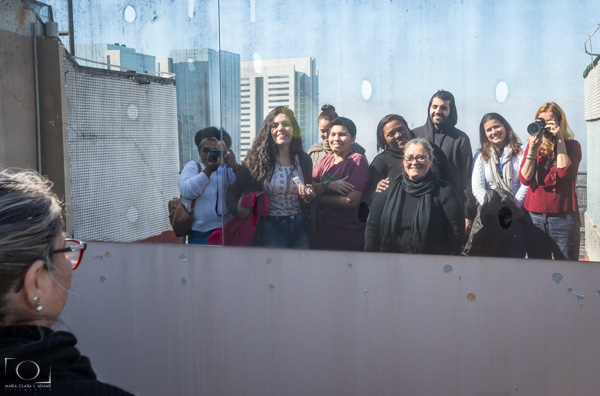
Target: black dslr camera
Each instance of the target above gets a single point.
(536, 127)
(213, 155)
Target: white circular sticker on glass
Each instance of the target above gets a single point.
(129, 14)
(366, 90)
(501, 92)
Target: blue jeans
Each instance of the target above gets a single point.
(198, 237)
(553, 235)
(284, 232)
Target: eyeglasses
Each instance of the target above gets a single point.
(74, 250)
(419, 158)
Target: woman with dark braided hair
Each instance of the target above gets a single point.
(274, 160)
(392, 134)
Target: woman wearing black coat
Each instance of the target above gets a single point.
(418, 213)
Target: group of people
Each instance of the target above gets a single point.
(424, 192)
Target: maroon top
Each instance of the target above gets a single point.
(557, 193)
(337, 228)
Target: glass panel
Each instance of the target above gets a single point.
(234, 62)
(151, 80)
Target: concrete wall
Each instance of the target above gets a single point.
(592, 116)
(18, 147)
(181, 320)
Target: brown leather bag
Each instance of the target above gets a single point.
(181, 219)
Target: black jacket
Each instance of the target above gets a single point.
(457, 147)
(446, 222)
(51, 364)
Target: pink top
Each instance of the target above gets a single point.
(338, 228)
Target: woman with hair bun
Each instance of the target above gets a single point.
(339, 182)
(549, 168)
(36, 269)
(320, 150)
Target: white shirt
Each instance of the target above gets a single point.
(210, 211)
(481, 180)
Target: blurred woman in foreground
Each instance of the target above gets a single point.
(36, 269)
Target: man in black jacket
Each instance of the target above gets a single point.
(440, 129)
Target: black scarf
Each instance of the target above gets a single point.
(391, 217)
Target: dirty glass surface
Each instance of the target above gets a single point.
(234, 61)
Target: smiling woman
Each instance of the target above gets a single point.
(274, 162)
(340, 180)
(419, 213)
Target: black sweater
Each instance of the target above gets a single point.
(457, 147)
(62, 369)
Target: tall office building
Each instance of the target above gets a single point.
(208, 94)
(266, 84)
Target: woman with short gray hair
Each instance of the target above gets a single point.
(419, 212)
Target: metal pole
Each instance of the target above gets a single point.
(71, 30)
(37, 98)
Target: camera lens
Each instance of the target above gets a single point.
(533, 129)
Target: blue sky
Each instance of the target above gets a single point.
(405, 50)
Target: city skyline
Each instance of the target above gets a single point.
(378, 57)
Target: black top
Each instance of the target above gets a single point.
(51, 365)
(457, 147)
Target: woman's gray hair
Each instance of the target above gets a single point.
(30, 222)
(422, 142)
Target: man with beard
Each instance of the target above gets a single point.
(440, 129)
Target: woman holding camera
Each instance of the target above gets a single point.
(36, 269)
(419, 212)
(274, 160)
(206, 182)
(550, 169)
(498, 228)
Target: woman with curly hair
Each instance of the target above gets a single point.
(549, 168)
(274, 160)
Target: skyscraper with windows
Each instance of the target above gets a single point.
(207, 95)
(266, 84)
